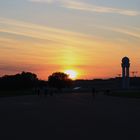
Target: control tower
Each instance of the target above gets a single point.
(125, 72)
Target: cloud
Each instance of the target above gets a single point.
(126, 32)
(129, 31)
(48, 1)
(60, 45)
(23, 29)
(66, 49)
(83, 6)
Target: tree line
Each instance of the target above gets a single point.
(25, 80)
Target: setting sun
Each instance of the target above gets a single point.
(72, 74)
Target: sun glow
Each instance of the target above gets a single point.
(72, 74)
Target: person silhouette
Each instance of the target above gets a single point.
(51, 92)
(38, 91)
(46, 91)
(93, 92)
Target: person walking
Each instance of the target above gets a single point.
(93, 92)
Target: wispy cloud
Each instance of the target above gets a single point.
(83, 6)
(60, 45)
(62, 49)
(129, 31)
(126, 32)
(66, 49)
(48, 34)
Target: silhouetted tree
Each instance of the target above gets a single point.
(18, 81)
(59, 80)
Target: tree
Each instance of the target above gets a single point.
(19, 81)
(59, 80)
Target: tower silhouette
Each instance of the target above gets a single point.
(125, 72)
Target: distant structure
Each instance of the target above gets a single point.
(125, 72)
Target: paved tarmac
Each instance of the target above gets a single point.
(69, 116)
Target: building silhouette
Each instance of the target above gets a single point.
(125, 72)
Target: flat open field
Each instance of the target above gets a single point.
(70, 117)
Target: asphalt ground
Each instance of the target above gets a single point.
(72, 116)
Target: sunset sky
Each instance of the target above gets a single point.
(88, 36)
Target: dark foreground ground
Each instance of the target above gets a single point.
(70, 117)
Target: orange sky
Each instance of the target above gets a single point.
(85, 37)
(44, 50)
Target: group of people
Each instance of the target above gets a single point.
(44, 91)
(105, 92)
